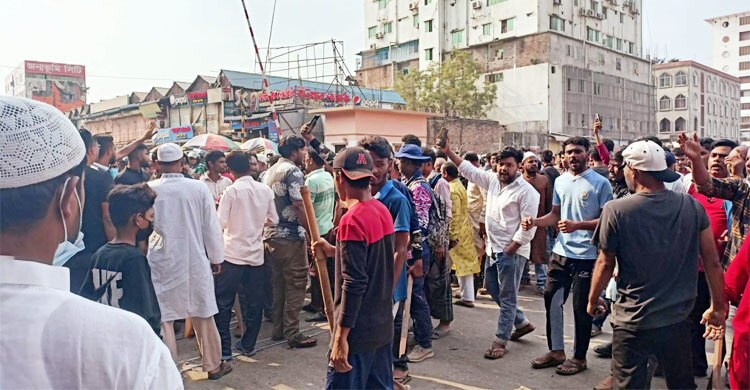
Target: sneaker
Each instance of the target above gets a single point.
(604, 350)
(595, 331)
(419, 354)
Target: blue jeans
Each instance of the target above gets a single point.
(502, 280)
(370, 370)
(420, 313)
(540, 270)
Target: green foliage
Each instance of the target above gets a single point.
(449, 87)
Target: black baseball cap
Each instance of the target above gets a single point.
(355, 162)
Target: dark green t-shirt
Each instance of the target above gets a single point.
(656, 240)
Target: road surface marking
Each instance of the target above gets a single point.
(447, 383)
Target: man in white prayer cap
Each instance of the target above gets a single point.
(50, 337)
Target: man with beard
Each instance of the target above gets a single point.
(217, 165)
(405, 220)
(530, 167)
(717, 215)
(285, 243)
(510, 199)
(735, 190)
(578, 198)
(617, 176)
(138, 161)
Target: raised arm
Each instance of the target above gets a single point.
(150, 131)
(473, 174)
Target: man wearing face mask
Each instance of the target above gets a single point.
(59, 343)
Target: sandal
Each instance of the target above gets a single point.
(404, 379)
(224, 368)
(523, 331)
(547, 362)
(303, 341)
(493, 353)
(570, 367)
(464, 303)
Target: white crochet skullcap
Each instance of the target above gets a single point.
(37, 142)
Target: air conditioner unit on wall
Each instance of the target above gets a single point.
(582, 11)
(556, 2)
(590, 12)
(372, 46)
(600, 16)
(476, 4)
(378, 35)
(414, 6)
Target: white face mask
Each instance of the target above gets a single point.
(66, 249)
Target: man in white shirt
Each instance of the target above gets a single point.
(243, 211)
(510, 199)
(183, 250)
(217, 164)
(66, 341)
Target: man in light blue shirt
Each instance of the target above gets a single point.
(578, 198)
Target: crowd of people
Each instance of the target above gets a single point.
(143, 242)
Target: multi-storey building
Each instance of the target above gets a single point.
(556, 62)
(61, 85)
(731, 54)
(694, 97)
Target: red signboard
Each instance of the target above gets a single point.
(56, 69)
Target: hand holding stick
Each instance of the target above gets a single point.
(320, 256)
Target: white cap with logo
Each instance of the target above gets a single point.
(37, 143)
(649, 157)
(168, 153)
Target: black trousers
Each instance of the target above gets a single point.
(671, 345)
(698, 343)
(316, 297)
(563, 275)
(247, 282)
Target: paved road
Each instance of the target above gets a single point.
(458, 361)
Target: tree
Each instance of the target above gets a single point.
(449, 87)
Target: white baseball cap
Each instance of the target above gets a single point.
(194, 154)
(168, 153)
(649, 157)
(37, 141)
(529, 155)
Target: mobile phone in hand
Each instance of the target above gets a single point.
(442, 137)
(314, 120)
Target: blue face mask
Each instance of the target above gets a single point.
(113, 172)
(66, 249)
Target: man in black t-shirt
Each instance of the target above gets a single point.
(119, 272)
(134, 173)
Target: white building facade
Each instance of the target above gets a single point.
(691, 97)
(731, 54)
(556, 63)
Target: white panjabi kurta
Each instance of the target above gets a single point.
(187, 236)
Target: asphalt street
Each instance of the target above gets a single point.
(458, 361)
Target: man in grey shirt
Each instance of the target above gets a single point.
(656, 236)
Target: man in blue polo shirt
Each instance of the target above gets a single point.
(578, 198)
(404, 222)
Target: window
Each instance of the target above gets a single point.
(487, 29)
(592, 35)
(494, 77)
(665, 126)
(622, 17)
(569, 51)
(665, 80)
(631, 47)
(595, 6)
(500, 54)
(610, 42)
(426, 2)
(428, 26)
(680, 78)
(744, 20)
(745, 50)
(680, 102)
(387, 27)
(695, 79)
(372, 31)
(428, 54)
(575, 3)
(745, 65)
(679, 125)
(618, 64)
(570, 89)
(604, 12)
(665, 104)
(382, 4)
(457, 37)
(619, 44)
(555, 23)
(415, 20)
(493, 2)
(745, 35)
(581, 86)
(598, 88)
(506, 25)
(570, 116)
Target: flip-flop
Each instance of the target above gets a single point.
(549, 362)
(438, 334)
(569, 367)
(464, 303)
(494, 353)
(403, 380)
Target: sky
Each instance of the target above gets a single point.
(134, 45)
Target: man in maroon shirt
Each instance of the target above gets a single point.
(360, 356)
(717, 210)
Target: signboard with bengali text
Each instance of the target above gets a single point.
(52, 68)
(173, 134)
